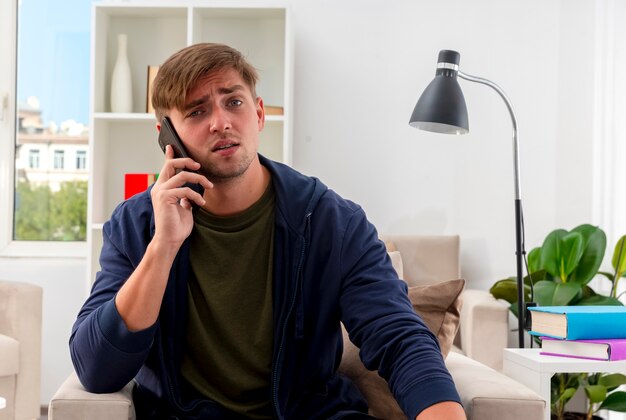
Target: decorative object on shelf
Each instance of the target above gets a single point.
(136, 183)
(274, 110)
(442, 109)
(152, 72)
(121, 82)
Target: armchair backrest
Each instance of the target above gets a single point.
(427, 259)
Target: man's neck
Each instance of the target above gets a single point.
(234, 196)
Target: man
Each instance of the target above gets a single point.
(223, 287)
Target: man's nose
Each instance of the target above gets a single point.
(220, 120)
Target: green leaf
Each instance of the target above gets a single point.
(594, 247)
(551, 250)
(571, 251)
(606, 274)
(549, 293)
(616, 401)
(535, 276)
(567, 394)
(544, 291)
(534, 260)
(505, 289)
(595, 393)
(619, 257)
(612, 380)
(599, 300)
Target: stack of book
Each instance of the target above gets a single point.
(587, 332)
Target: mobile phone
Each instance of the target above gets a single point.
(168, 135)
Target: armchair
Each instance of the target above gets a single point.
(20, 350)
(486, 393)
(483, 329)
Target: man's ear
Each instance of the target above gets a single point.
(158, 127)
(260, 111)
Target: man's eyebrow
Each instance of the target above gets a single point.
(205, 98)
(231, 89)
(195, 103)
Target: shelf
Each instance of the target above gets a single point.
(124, 116)
(122, 143)
(134, 116)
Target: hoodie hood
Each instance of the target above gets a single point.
(297, 195)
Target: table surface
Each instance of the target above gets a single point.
(531, 359)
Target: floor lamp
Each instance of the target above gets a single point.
(441, 109)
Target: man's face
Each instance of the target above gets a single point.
(220, 125)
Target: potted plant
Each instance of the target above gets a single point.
(602, 393)
(559, 272)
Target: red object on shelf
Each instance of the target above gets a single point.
(136, 183)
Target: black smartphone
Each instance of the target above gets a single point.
(168, 135)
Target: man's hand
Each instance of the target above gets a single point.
(172, 201)
(447, 410)
(139, 299)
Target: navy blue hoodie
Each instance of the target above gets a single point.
(329, 266)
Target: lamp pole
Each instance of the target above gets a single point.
(519, 247)
(441, 108)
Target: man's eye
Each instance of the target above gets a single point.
(235, 102)
(195, 113)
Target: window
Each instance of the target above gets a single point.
(81, 159)
(44, 91)
(52, 91)
(58, 159)
(33, 158)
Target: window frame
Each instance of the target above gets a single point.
(58, 162)
(8, 86)
(81, 160)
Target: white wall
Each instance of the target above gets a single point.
(360, 66)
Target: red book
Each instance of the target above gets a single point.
(136, 183)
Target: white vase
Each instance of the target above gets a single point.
(121, 83)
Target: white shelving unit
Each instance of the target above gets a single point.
(123, 143)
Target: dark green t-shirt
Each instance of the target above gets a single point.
(230, 331)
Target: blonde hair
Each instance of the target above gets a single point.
(185, 68)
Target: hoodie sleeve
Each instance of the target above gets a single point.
(382, 323)
(105, 354)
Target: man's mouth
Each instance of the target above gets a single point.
(224, 145)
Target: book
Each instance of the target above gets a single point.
(152, 72)
(607, 349)
(273, 110)
(578, 322)
(136, 183)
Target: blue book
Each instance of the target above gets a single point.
(578, 322)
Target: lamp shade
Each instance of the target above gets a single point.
(441, 108)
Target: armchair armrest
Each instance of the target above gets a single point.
(20, 319)
(484, 327)
(73, 402)
(490, 395)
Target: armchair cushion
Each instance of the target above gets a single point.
(439, 306)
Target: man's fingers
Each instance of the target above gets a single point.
(169, 151)
(185, 177)
(180, 196)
